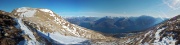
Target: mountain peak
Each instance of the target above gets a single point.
(49, 22)
(31, 12)
(24, 12)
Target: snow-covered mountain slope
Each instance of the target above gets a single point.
(36, 37)
(166, 33)
(43, 26)
(15, 31)
(49, 22)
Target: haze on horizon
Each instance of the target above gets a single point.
(155, 8)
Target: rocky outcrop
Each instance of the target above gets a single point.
(9, 33)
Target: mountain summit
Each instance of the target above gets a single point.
(42, 26)
(47, 21)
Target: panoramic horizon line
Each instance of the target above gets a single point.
(97, 14)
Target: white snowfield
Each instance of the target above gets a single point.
(55, 36)
(48, 11)
(145, 36)
(28, 32)
(29, 12)
(64, 39)
(26, 12)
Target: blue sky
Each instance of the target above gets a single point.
(156, 8)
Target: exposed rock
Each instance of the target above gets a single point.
(9, 34)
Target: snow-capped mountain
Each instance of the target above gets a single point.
(44, 27)
(47, 21)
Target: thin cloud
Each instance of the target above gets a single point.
(173, 4)
(164, 14)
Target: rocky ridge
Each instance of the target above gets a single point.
(48, 23)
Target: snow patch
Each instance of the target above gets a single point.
(49, 11)
(145, 43)
(128, 41)
(23, 9)
(26, 12)
(157, 35)
(64, 39)
(57, 20)
(73, 31)
(29, 33)
(145, 36)
(46, 10)
(29, 13)
(166, 41)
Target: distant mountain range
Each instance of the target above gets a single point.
(114, 25)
